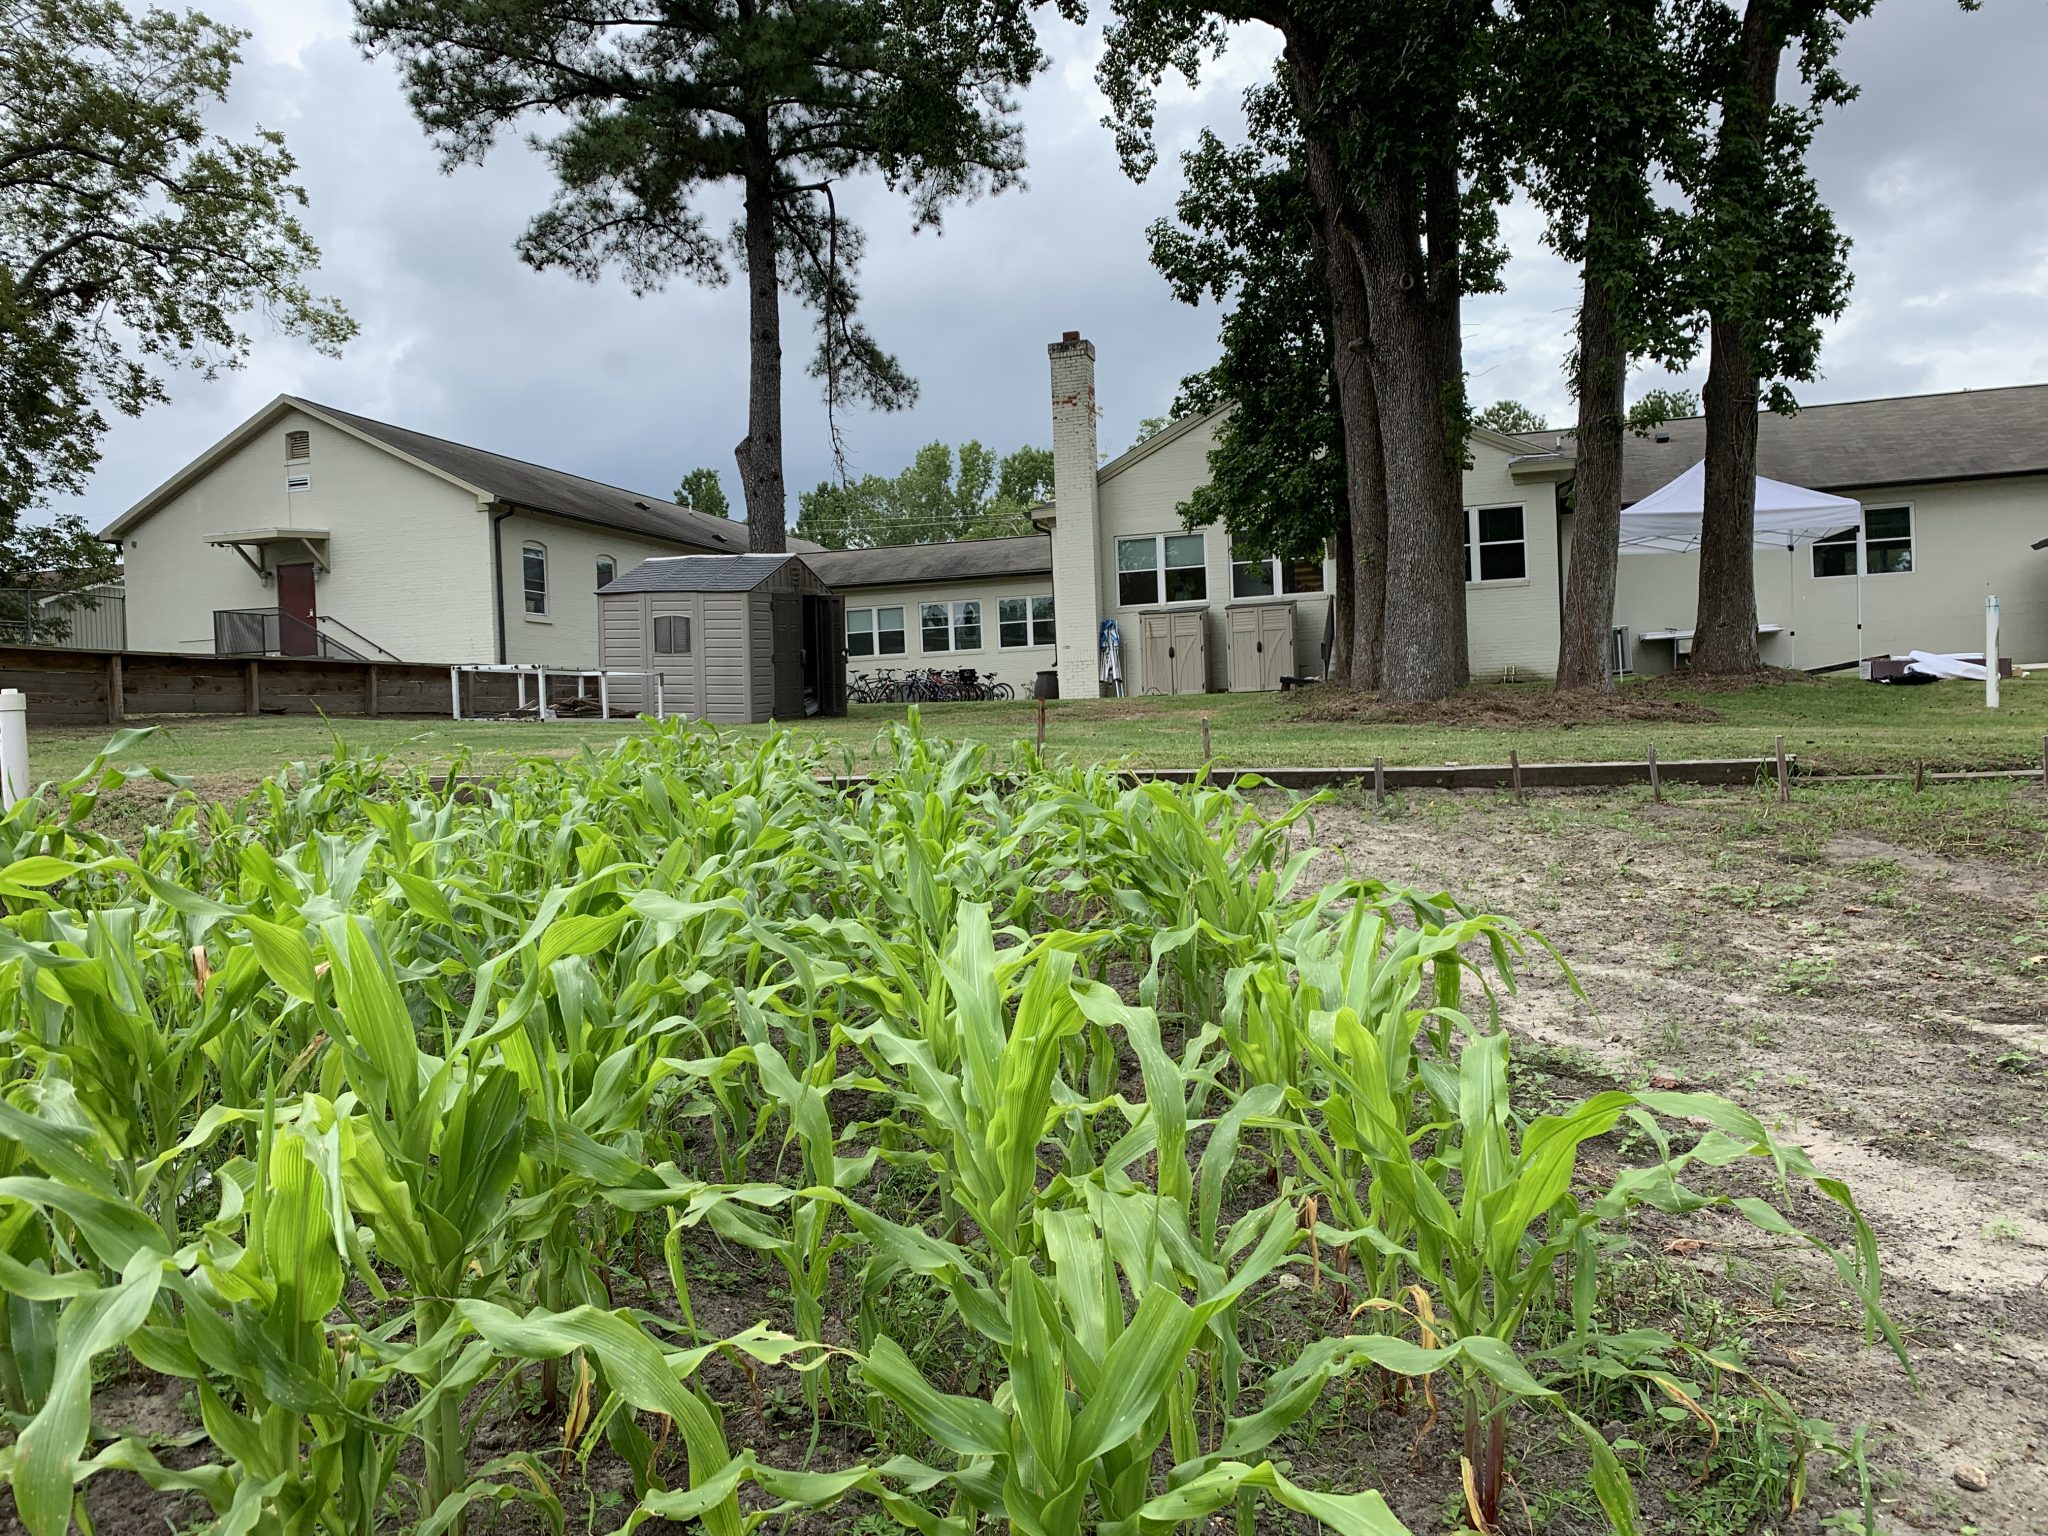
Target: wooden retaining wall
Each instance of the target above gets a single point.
(86, 687)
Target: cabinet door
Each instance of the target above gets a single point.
(1276, 644)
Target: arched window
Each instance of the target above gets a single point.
(607, 568)
(534, 574)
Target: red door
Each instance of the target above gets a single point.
(297, 626)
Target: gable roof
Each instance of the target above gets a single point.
(698, 573)
(1972, 434)
(489, 476)
(894, 565)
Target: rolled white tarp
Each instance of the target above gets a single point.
(1942, 664)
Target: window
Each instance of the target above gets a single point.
(874, 632)
(1495, 549)
(607, 568)
(298, 447)
(1161, 568)
(1887, 545)
(1888, 540)
(1283, 574)
(672, 634)
(1835, 555)
(1023, 621)
(950, 626)
(533, 564)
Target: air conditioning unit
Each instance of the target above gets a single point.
(1618, 661)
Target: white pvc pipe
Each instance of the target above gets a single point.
(1990, 655)
(455, 692)
(604, 694)
(13, 746)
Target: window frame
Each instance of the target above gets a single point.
(954, 624)
(1161, 571)
(1277, 569)
(876, 630)
(1857, 536)
(1473, 578)
(603, 561)
(528, 548)
(654, 635)
(1031, 622)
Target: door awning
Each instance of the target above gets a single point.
(281, 544)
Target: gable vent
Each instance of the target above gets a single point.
(297, 446)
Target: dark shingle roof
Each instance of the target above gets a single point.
(552, 491)
(698, 573)
(1969, 435)
(896, 565)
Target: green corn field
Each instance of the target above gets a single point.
(381, 1111)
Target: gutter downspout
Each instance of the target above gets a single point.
(498, 578)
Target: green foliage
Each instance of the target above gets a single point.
(701, 491)
(1241, 238)
(354, 1105)
(132, 241)
(940, 497)
(1509, 416)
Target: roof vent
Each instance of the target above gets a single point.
(641, 505)
(1663, 437)
(1070, 336)
(297, 446)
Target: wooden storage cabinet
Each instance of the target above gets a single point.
(1173, 646)
(1261, 645)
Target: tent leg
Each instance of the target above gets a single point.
(1862, 560)
(1792, 600)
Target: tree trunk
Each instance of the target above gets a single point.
(1724, 629)
(760, 452)
(1584, 657)
(1343, 597)
(1423, 653)
(1362, 580)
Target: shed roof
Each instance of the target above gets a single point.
(900, 565)
(698, 573)
(1970, 434)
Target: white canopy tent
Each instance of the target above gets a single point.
(1667, 521)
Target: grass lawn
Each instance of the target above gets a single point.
(1831, 725)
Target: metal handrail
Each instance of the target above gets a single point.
(262, 631)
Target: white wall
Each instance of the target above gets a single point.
(1512, 627)
(408, 550)
(1016, 666)
(566, 635)
(1971, 539)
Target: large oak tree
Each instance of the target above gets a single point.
(133, 241)
(652, 104)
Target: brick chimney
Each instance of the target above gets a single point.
(1076, 547)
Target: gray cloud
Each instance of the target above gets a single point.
(1932, 171)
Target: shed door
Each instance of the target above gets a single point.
(1190, 652)
(1276, 644)
(786, 630)
(1242, 629)
(1155, 647)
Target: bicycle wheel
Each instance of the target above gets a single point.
(1002, 692)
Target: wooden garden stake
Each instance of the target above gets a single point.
(1379, 781)
(1515, 774)
(2044, 762)
(1656, 784)
(1041, 725)
(1207, 755)
(1784, 776)
(1919, 775)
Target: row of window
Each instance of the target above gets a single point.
(1156, 568)
(944, 627)
(533, 576)
(1887, 543)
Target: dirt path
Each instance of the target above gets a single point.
(1887, 1009)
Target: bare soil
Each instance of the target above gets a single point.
(1885, 1008)
(1499, 707)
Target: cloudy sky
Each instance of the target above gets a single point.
(1935, 171)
